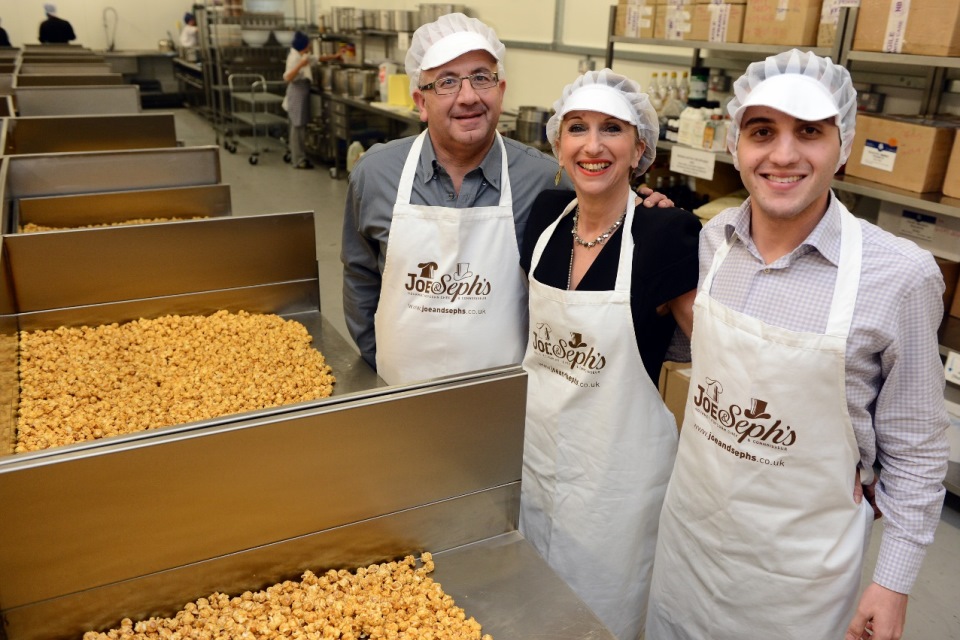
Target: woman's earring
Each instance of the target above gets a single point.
(556, 179)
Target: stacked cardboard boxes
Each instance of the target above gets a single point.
(920, 27)
(907, 152)
(635, 18)
(718, 21)
(782, 22)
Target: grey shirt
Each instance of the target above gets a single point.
(373, 193)
(894, 376)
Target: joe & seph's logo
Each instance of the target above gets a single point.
(572, 350)
(751, 423)
(459, 284)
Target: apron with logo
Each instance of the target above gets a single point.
(453, 298)
(760, 535)
(599, 443)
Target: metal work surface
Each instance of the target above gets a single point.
(189, 496)
(98, 171)
(513, 593)
(82, 267)
(91, 277)
(67, 80)
(60, 134)
(98, 208)
(62, 101)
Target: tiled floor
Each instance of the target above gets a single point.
(273, 186)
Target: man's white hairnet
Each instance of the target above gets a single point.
(449, 37)
(607, 92)
(802, 85)
(49, 8)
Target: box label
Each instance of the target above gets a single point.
(918, 226)
(896, 26)
(719, 19)
(879, 155)
(692, 162)
(783, 11)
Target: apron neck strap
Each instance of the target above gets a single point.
(405, 188)
(848, 273)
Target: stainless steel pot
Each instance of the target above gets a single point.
(404, 20)
(531, 125)
(384, 20)
(326, 76)
(363, 84)
(340, 81)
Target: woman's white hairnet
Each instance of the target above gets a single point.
(802, 85)
(446, 38)
(607, 92)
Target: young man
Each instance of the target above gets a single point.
(448, 208)
(814, 357)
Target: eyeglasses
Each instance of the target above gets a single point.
(451, 84)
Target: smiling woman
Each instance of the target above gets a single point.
(604, 307)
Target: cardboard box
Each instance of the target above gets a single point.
(951, 180)
(782, 22)
(928, 27)
(635, 20)
(907, 152)
(938, 234)
(673, 22)
(674, 388)
(829, 19)
(722, 22)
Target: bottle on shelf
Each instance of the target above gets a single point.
(653, 93)
(683, 90)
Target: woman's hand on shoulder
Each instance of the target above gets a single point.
(653, 198)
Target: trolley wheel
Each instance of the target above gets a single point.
(230, 146)
(254, 159)
(287, 157)
(334, 173)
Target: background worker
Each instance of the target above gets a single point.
(298, 76)
(815, 356)
(55, 30)
(432, 284)
(188, 35)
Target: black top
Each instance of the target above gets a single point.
(56, 30)
(4, 39)
(664, 265)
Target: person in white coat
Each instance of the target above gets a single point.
(815, 358)
(299, 76)
(610, 281)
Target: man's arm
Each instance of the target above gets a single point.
(910, 422)
(361, 277)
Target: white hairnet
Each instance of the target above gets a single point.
(449, 37)
(607, 92)
(49, 8)
(802, 85)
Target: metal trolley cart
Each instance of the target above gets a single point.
(253, 114)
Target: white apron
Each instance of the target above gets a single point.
(760, 536)
(599, 443)
(453, 298)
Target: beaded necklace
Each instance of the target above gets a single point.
(603, 237)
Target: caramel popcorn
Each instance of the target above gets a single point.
(31, 227)
(84, 383)
(342, 605)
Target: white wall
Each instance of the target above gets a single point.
(533, 77)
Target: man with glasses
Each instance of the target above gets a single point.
(431, 283)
